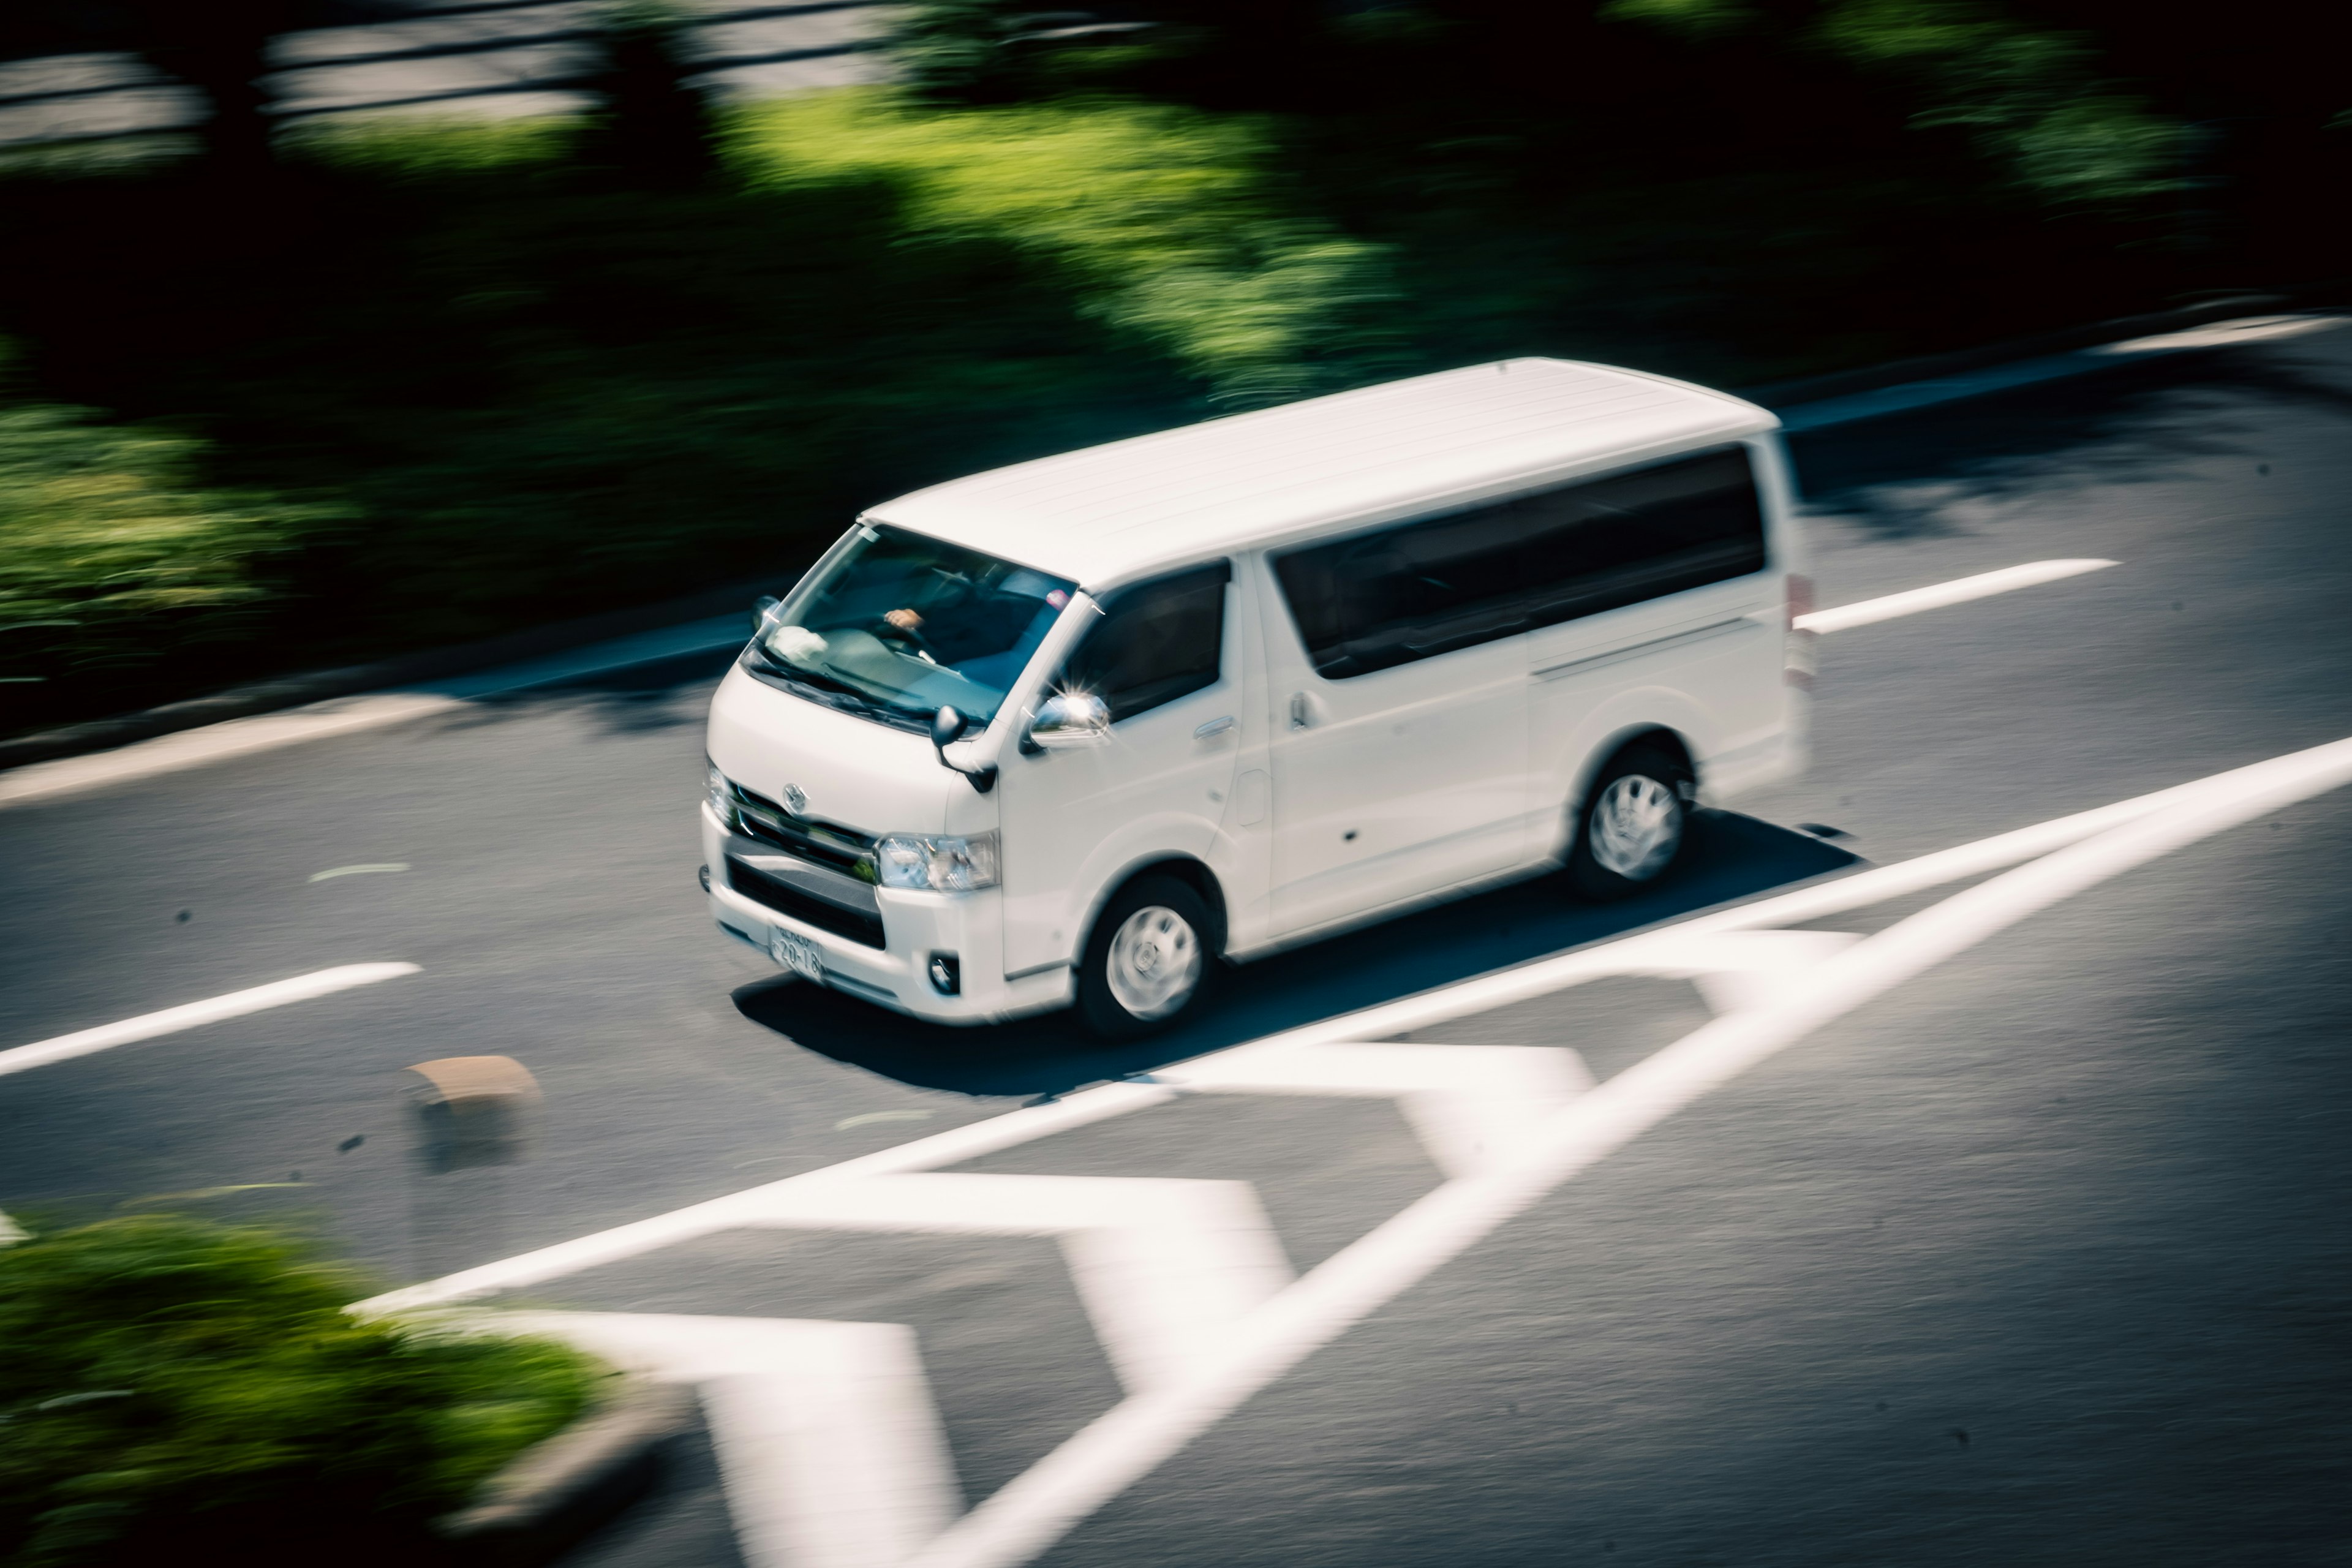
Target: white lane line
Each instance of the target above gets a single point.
(351, 715)
(332, 872)
(1038, 1506)
(170, 1020)
(1928, 394)
(1959, 591)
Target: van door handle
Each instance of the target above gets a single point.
(1299, 715)
(1214, 727)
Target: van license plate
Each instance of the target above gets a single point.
(797, 954)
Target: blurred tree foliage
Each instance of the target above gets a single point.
(2031, 99)
(1162, 223)
(176, 1391)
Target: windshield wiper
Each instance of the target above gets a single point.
(833, 691)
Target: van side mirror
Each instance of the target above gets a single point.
(947, 728)
(1066, 720)
(761, 608)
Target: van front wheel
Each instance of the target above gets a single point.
(1147, 961)
(1631, 828)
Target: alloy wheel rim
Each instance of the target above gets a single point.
(1637, 824)
(1155, 963)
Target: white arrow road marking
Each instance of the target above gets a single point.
(1741, 969)
(1959, 591)
(1165, 1267)
(828, 1442)
(1778, 987)
(1471, 1105)
(235, 1004)
(1043, 1503)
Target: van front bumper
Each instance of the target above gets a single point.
(916, 926)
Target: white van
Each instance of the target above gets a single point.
(1076, 730)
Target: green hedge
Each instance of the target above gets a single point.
(113, 554)
(176, 1391)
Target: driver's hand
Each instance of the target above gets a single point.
(905, 620)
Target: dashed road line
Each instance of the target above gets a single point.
(170, 1020)
(1505, 1123)
(1959, 591)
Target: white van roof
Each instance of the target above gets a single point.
(1107, 513)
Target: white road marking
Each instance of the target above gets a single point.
(1813, 977)
(1736, 970)
(235, 1004)
(1959, 591)
(1165, 1267)
(334, 872)
(1927, 393)
(871, 1117)
(1036, 1508)
(2218, 334)
(828, 1441)
(1470, 1105)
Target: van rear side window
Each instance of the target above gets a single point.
(1377, 600)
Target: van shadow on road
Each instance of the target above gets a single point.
(1729, 856)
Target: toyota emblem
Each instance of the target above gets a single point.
(796, 799)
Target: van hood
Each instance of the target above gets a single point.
(851, 772)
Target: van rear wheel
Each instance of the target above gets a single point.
(1147, 960)
(1631, 827)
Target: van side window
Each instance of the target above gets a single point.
(1157, 641)
(1378, 600)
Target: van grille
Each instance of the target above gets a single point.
(842, 848)
(861, 926)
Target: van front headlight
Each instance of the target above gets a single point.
(719, 794)
(939, 864)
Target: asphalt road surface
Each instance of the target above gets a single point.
(2035, 1255)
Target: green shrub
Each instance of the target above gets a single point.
(179, 1390)
(112, 552)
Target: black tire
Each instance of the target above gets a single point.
(1610, 870)
(1101, 1005)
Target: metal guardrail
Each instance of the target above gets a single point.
(491, 56)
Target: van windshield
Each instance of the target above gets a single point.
(894, 626)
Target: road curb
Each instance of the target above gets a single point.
(539, 643)
(406, 670)
(1778, 395)
(556, 1492)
